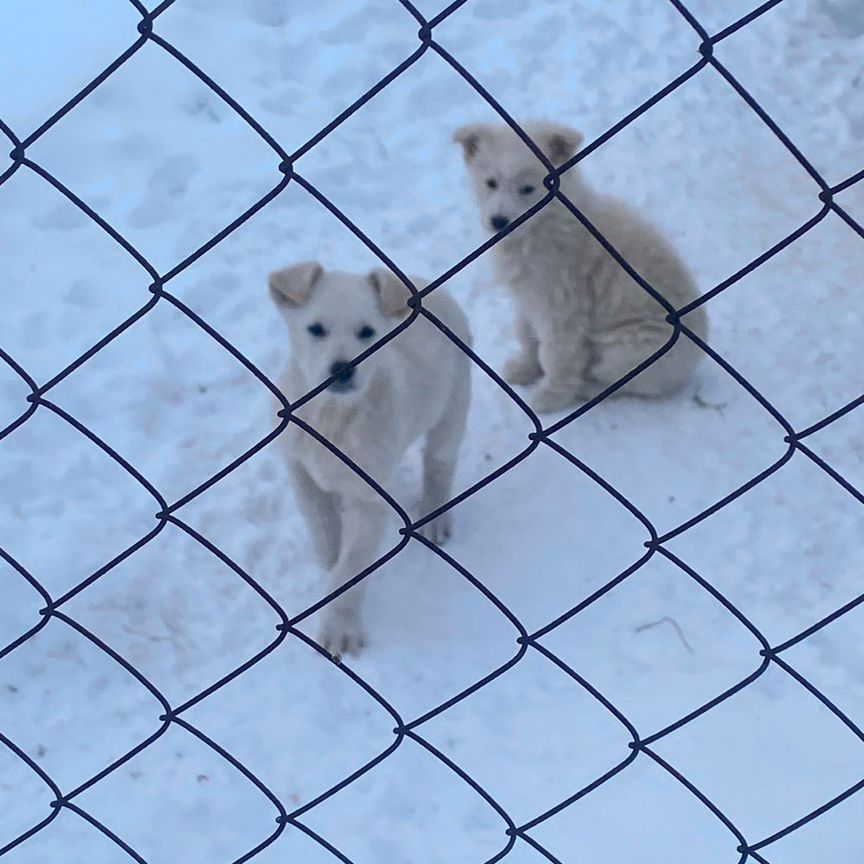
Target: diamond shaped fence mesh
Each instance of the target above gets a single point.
(288, 170)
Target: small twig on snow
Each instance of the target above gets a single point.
(667, 620)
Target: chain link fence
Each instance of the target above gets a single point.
(289, 170)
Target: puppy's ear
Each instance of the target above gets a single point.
(391, 292)
(292, 286)
(471, 137)
(558, 142)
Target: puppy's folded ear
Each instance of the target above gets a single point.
(292, 286)
(557, 141)
(392, 293)
(471, 137)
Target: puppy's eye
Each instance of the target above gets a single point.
(526, 190)
(365, 332)
(318, 330)
(492, 183)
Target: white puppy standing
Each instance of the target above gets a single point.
(582, 322)
(416, 385)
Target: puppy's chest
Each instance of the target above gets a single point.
(348, 433)
(543, 280)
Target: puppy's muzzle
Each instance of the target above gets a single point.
(344, 376)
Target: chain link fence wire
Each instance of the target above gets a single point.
(286, 172)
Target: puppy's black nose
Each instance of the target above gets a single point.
(343, 372)
(499, 223)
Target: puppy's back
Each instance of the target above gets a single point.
(643, 245)
(429, 358)
(445, 308)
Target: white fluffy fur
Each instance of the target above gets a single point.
(417, 385)
(582, 322)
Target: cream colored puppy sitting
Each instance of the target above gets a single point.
(582, 322)
(417, 385)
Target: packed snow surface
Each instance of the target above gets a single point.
(168, 164)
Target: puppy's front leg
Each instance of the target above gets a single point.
(439, 459)
(363, 524)
(524, 366)
(319, 510)
(564, 358)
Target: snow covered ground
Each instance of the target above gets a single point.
(165, 162)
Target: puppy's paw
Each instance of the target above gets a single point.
(547, 401)
(341, 634)
(438, 530)
(589, 388)
(520, 369)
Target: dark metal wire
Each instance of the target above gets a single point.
(284, 174)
